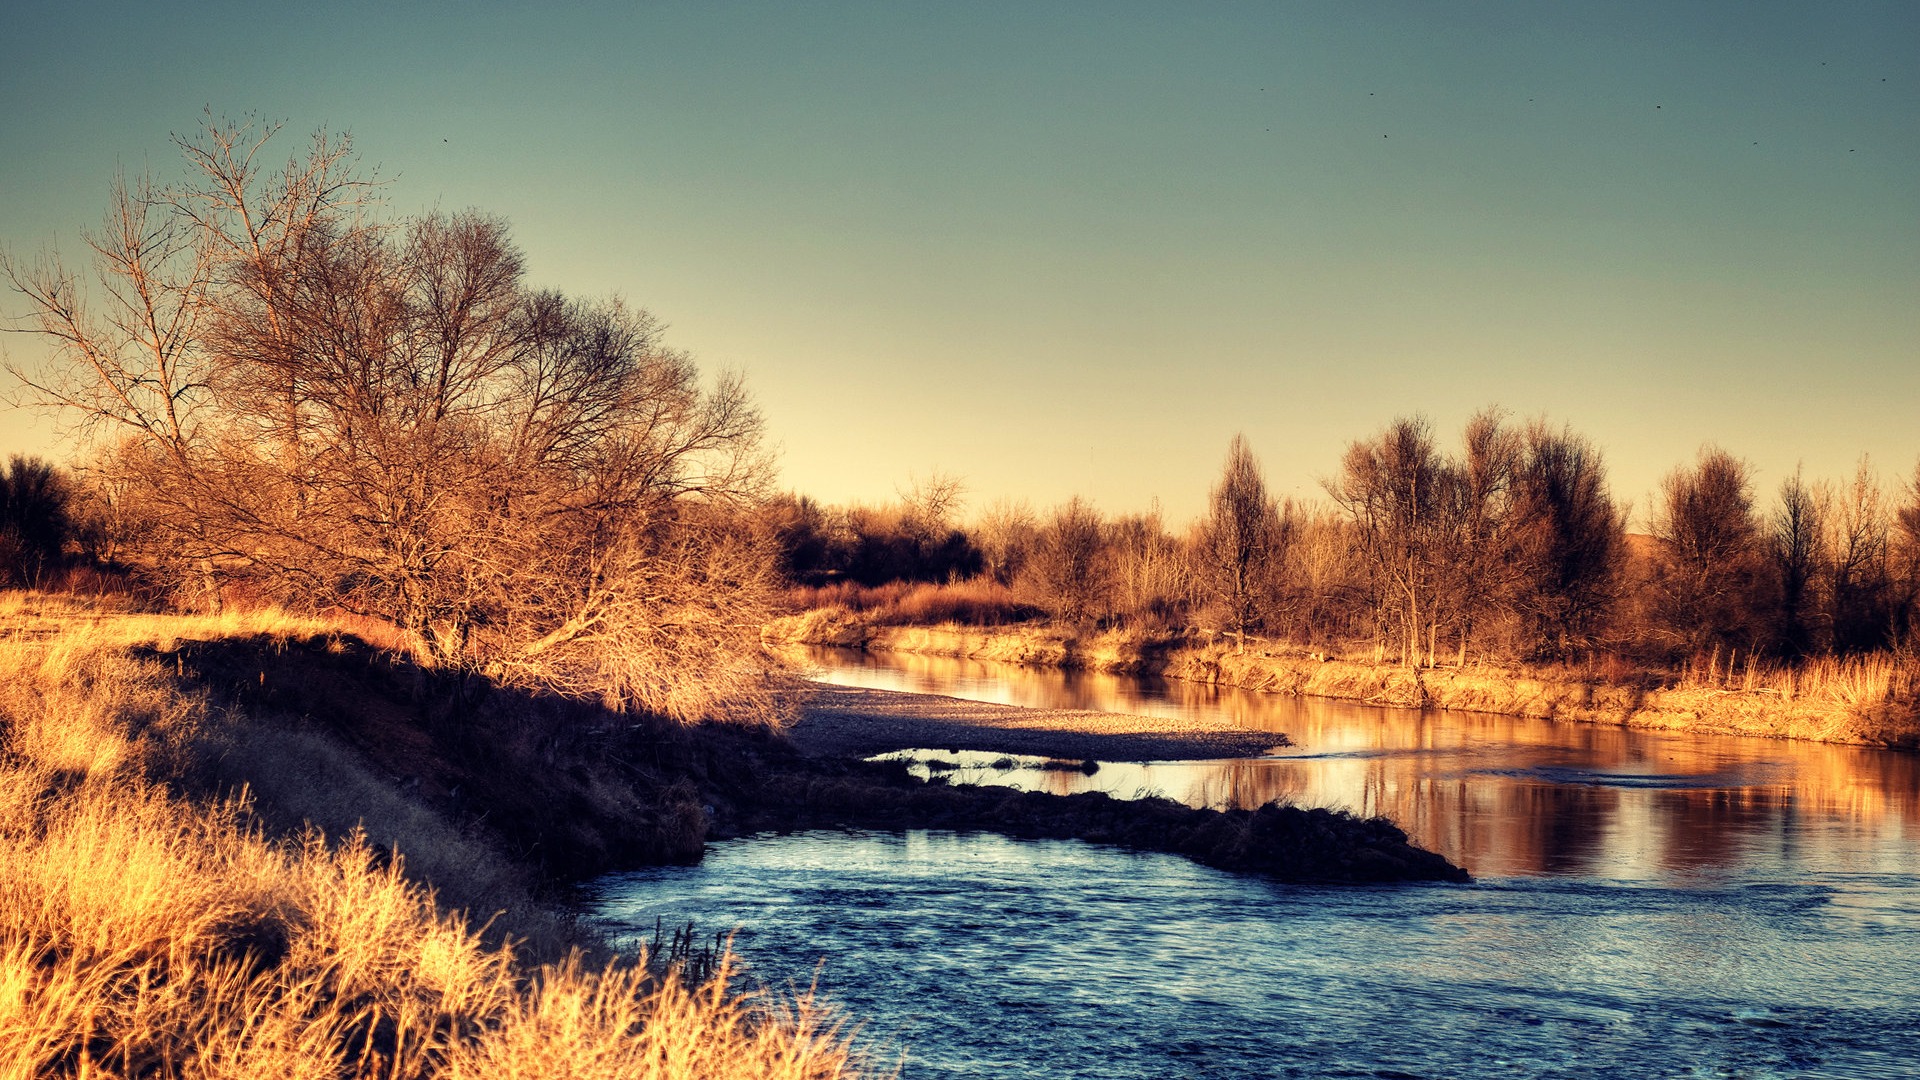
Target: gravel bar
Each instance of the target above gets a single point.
(848, 721)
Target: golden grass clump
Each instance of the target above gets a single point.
(1852, 681)
(143, 933)
(612, 1023)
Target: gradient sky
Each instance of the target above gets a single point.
(1072, 248)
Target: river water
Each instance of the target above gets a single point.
(1645, 905)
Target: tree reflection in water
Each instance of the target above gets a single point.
(1501, 795)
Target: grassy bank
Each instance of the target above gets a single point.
(167, 910)
(1870, 702)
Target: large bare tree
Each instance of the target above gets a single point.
(380, 415)
(1392, 488)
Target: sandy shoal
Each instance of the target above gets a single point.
(850, 721)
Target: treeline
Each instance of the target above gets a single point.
(1508, 544)
(295, 397)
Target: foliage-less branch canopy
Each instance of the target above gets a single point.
(380, 415)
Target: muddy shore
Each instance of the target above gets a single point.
(838, 721)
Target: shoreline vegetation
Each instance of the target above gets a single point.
(1856, 702)
(255, 844)
(1500, 576)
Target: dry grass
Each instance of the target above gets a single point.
(92, 623)
(1851, 681)
(819, 626)
(975, 602)
(146, 934)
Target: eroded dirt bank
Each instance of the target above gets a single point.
(565, 792)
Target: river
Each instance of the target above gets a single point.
(1646, 905)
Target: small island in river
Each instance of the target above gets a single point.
(817, 778)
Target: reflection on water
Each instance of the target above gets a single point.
(1499, 795)
(1648, 905)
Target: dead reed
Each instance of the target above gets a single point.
(1852, 681)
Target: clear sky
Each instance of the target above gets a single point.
(1072, 248)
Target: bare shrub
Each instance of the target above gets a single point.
(1005, 532)
(1068, 571)
(975, 602)
(1706, 581)
(1243, 542)
(1153, 575)
(36, 521)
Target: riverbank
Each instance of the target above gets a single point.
(231, 850)
(256, 845)
(1858, 712)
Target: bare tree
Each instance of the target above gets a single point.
(1709, 541)
(1149, 568)
(1904, 563)
(1797, 544)
(1515, 535)
(1067, 572)
(1475, 573)
(1858, 587)
(381, 416)
(1243, 541)
(931, 502)
(1391, 487)
(1006, 532)
(130, 345)
(1328, 598)
(1568, 541)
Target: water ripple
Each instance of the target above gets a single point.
(976, 956)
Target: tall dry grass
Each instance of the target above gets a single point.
(973, 602)
(1851, 681)
(143, 933)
